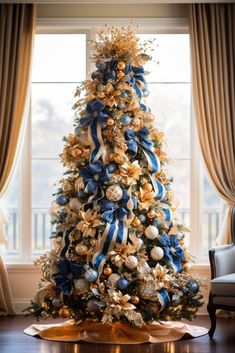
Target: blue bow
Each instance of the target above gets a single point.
(113, 210)
(135, 78)
(66, 272)
(96, 110)
(140, 138)
(173, 251)
(94, 175)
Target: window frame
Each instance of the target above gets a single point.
(88, 26)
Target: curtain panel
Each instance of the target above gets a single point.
(17, 25)
(212, 35)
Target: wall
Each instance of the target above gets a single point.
(24, 278)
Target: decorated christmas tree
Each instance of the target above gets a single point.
(119, 252)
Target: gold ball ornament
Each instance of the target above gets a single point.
(110, 122)
(136, 222)
(64, 312)
(81, 249)
(157, 253)
(121, 65)
(151, 214)
(135, 299)
(154, 308)
(148, 187)
(107, 271)
(114, 193)
(120, 74)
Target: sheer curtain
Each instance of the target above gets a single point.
(17, 24)
(212, 33)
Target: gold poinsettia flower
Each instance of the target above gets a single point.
(145, 199)
(75, 149)
(109, 94)
(129, 173)
(121, 301)
(121, 252)
(88, 223)
(119, 156)
(157, 135)
(162, 276)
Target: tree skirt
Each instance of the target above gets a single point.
(115, 333)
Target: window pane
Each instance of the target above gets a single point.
(180, 171)
(212, 216)
(59, 58)
(170, 58)
(41, 230)
(45, 173)
(11, 207)
(170, 103)
(52, 117)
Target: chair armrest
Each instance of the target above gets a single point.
(222, 260)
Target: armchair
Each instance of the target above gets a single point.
(222, 292)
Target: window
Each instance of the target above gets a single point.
(60, 64)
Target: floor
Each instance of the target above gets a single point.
(13, 340)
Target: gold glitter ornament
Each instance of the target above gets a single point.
(81, 286)
(154, 308)
(121, 65)
(81, 249)
(135, 299)
(114, 193)
(107, 271)
(113, 278)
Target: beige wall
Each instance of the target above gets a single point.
(130, 11)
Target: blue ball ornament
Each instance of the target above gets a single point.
(121, 105)
(125, 119)
(63, 214)
(184, 290)
(56, 302)
(156, 223)
(124, 95)
(122, 283)
(91, 275)
(62, 200)
(111, 168)
(82, 194)
(193, 287)
(142, 218)
(100, 65)
(86, 267)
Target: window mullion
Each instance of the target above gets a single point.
(26, 195)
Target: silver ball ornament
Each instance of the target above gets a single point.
(113, 278)
(94, 305)
(91, 275)
(81, 286)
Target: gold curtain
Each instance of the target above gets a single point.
(212, 35)
(17, 24)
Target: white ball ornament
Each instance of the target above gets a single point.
(131, 262)
(114, 193)
(157, 253)
(113, 278)
(151, 232)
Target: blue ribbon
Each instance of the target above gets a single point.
(172, 250)
(94, 175)
(135, 78)
(67, 270)
(167, 213)
(139, 138)
(66, 241)
(159, 189)
(163, 298)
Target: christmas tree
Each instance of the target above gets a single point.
(119, 252)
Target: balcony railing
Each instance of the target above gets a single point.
(42, 228)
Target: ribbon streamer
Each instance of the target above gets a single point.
(159, 189)
(163, 298)
(66, 242)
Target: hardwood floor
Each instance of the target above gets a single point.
(13, 340)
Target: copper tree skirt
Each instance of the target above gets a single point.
(115, 333)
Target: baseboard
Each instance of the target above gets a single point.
(21, 304)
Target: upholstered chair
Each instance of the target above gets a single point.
(222, 293)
